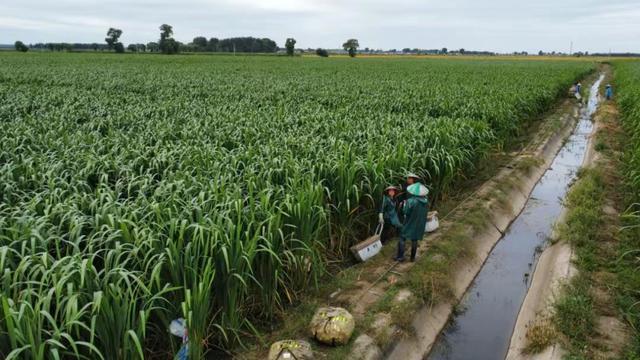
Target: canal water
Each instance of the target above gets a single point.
(482, 329)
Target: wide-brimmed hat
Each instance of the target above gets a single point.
(608, 85)
(412, 175)
(391, 187)
(418, 190)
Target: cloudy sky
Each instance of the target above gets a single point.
(496, 25)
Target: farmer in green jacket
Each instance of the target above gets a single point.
(388, 213)
(415, 218)
(403, 195)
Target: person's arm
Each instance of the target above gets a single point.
(382, 210)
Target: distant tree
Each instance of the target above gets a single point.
(153, 46)
(119, 47)
(248, 45)
(351, 46)
(200, 43)
(366, 50)
(141, 47)
(540, 53)
(113, 35)
(290, 45)
(167, 44)
(132, 48)
(212, 45)
(322, 52)
(461, 51)
(444, 51)
(166, 31)
(406, 50)
(185, 47)
(94, 46)
(20, 46)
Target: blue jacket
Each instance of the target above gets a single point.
(388, 210)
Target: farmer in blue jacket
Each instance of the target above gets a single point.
(415, 218)
(608, 93)
(388, 213)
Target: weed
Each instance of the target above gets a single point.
(540, 335)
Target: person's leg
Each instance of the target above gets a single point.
(414, 249)
(400, 255)
(387, 233)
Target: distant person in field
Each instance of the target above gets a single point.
(608, 93)
(389, 214)
(579, 88)
(575, 90)
(415, 218)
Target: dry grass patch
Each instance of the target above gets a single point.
(540, 335)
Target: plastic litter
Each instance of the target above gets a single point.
(432, 222)
(179, 329)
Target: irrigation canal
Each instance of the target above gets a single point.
(488, 312)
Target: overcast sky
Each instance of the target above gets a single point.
(496, 25)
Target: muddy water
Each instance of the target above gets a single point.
(489, 309)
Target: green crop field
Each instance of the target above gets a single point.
(137, 189)
(628, 79)
(627, 82)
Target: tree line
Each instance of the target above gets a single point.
(168, 45)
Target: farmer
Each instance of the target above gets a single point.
(389, 213)
(575, 91)
(608, 93)
(411, 179)
(578, 88)
(415, 217)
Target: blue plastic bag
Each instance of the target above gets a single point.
(178, 328)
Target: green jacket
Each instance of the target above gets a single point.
(415, 218)
(388, 210)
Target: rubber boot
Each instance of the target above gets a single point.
(400, 255)
(414, 249)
